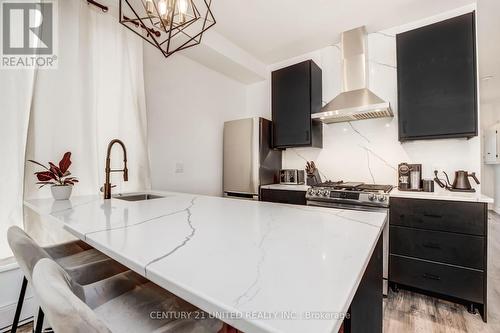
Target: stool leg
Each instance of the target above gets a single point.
(19, 306)
(39, 321)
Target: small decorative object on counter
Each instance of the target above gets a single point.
(313, 176)
(428, 185)
(403, 177)
(461, 182)
(416, 177)
(58, 176)
(410, 177)
(291, 177)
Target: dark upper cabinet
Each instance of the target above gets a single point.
(296, 93)
(437, 84)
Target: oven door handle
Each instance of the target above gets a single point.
(346, 206)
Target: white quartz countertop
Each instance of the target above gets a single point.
(263, 267)
(441, 194)
(284, 187)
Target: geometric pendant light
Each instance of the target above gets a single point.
(169, 25)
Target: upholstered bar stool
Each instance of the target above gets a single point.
(72, 308)
(83, 263)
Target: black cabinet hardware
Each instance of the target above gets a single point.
(432, 246)
(431, 277)
(433, 216)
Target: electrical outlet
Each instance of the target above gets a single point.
(179, 167)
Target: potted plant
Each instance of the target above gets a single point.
(57, 176)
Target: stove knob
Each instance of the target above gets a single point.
(371, 197)
(381, 197)
(326, 193)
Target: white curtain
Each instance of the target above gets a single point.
(95, 95)
(16, 87)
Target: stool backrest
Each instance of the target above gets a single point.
(26, 250)
(65, 311)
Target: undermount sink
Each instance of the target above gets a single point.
(138, 197)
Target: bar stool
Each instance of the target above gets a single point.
(75, 257)
(72, 308)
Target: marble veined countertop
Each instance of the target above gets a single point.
(441, 194)
(261, 267)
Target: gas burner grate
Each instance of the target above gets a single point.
(329, 183)
(354, 186)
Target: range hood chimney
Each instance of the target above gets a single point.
(357, 102)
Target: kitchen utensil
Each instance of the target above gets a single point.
(313, 176)
(410, 177)
(403, 176)
(292, 177)
(428, 185)
(416, 177)
(460, 183)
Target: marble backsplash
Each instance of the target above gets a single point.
(369, 150)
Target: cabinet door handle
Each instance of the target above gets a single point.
(433, 216)
(431, 277)
(432, 246)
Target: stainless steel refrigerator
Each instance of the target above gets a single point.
(249, 159)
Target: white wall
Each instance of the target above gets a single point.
(187, 105)
(369, 150)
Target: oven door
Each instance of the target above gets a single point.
(385, 234)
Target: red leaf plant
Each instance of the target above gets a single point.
(55, 175)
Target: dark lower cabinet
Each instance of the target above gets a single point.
(446, 247)
(365, 313)
(440, 248)
(453, 281)
(283, 196)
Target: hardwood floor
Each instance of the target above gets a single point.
(411, 312)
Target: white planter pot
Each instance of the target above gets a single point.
(61, 192)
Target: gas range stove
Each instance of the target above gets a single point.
(351, 195)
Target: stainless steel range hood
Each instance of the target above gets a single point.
(357, 102)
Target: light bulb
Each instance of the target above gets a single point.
(150, 7)
(162, 7)
(183, 6)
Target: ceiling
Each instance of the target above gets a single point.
(274, 30)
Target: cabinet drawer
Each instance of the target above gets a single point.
(283, 196)
(456, 249)
(452, 216)
(457, 282)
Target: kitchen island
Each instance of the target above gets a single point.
(260, 267)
